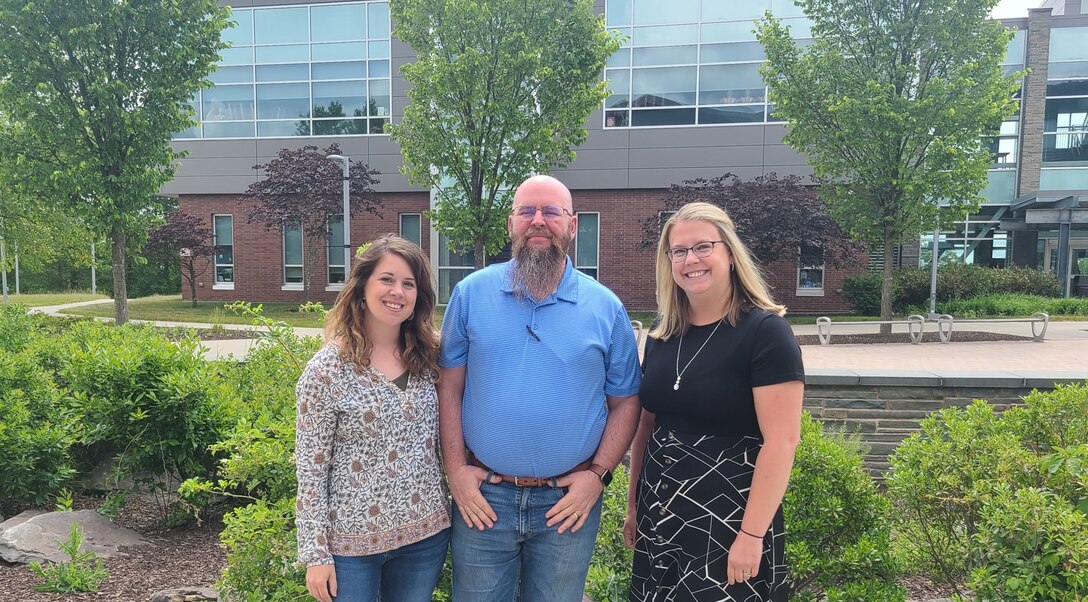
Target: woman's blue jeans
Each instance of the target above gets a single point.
(406, 574)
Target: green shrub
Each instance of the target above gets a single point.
(610, 569)
(910, 286)
(838, 543)
(261, 551)
(82, 572)
(1053, 419)
(1009, 304)
(16, 327)
(863, 292)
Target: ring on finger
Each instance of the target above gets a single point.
(746, 574)
(577, 514)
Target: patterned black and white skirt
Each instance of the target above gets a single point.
(691, 497)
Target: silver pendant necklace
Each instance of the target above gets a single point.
(679, 372)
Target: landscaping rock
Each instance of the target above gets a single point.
(185, 594)
(34, 535)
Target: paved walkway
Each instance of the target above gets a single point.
(1064, 353)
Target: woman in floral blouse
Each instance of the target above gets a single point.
(372, 509)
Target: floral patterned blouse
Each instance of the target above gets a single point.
(369, 476)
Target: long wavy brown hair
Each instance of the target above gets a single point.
(418, 338)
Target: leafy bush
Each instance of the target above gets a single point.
(839, 530)
(910, 286)
(16, 327)
(609, 577)
(82, 572)
(863, 293)
(1008, 304)
(261, 548)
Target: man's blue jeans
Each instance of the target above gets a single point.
(405, 574)
(489, 565)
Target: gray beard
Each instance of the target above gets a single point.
(534, 272)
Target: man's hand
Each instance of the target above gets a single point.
(584, 487)
(465, 483)
(321, 582)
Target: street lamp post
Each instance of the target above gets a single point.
(347, 214)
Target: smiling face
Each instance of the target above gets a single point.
(701, 276)
(390, 291)
(539, 233)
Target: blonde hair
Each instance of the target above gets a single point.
(418, 338)
(749, 288)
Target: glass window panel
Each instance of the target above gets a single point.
(236, 56)
(336, 240)
(378, 50)
(619, 82)
(448, 258)
(228, 129)
(279, 73)
(1014, 53)
(339, 127)
(281, 25)
(232, 75)
(292, 245)
(651, 117)
(1067, 88)
(378, 68)
(1063, 179)
(738, 114)
(738, 31)
(241, 33)
(655, 12)
(292, 274)
(668, 35)
(378, 20)
(224, 274)
(716, 10)
(585, 248)
(786, 8)
(1059, 148)
(1065, 114)
(616, 119)
(1000, 185)
(228, 103)
(731, 53)
(1010, 127)
(283, 101)
(810, 278)
(335, 23)
(799, 28)
(618, 12)
(299, 53)
(339, 52)
(1067, 44)
(665, 55)
(622, 58)
(224, 231)
(349, 97)
(1064, 70)
(379, 97)
(411, 227)
(281, 129)
(377, 126)
(625, 36)
(730, 84)
(346, 70)
(661, 87)
(772, 116)
(188, 133)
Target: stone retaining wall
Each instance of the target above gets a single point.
(885, 408)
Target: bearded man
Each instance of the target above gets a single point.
(538, 401)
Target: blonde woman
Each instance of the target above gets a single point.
(372, 511)
(721, 395)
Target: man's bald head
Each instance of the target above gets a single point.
(543, 190)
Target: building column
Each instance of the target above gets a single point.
(1033, 101)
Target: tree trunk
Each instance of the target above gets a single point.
(478, 252)
(886, 284)
(189, 268)
(120, 278)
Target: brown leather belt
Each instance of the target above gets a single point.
(529, 481)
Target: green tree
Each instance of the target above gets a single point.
(500, 90)
(94, 91)
(889, 105)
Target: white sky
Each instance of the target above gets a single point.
(1008, 9)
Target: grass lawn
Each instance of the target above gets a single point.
(44, 299)
(174, 309)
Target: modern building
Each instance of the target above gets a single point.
(687, 102)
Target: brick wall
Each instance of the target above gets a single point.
(1033, 100)
(258, 252)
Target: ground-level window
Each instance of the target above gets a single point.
(452, 267)
(335, 253)
(292, 256)
(810, 271)
(411, 227)
(224, 251)
(587, 244)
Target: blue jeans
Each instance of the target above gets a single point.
(405, 574)
(551, 567)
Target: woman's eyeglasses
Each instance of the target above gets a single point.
(701, 249)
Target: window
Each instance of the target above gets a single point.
(587, 244)
(452, 267)
(224, 251)
(320, 70)
(292, 257)
(1065, 126)
(810, 271)
(411, 227)
(335, 252)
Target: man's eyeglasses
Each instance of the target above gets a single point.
(550, 212)
(701, 249)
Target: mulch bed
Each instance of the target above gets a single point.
(187, 557)
(958, 336)
(208, 334)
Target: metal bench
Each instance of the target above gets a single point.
(640, 333)
(946, 322)
(916, 326)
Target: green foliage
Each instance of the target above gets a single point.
(839, 527)
(610, 569)
(959, 288)
(863, 292)
(15, 327)
(1009, 304)
(82, 572)
(261, 551)
(500, 90)
(64, 500)
(895, 126)
(112, 505)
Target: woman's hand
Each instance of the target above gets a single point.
(744, 557)
(321, 582)
(630, 528)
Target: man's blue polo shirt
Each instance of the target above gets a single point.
(537, 373)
